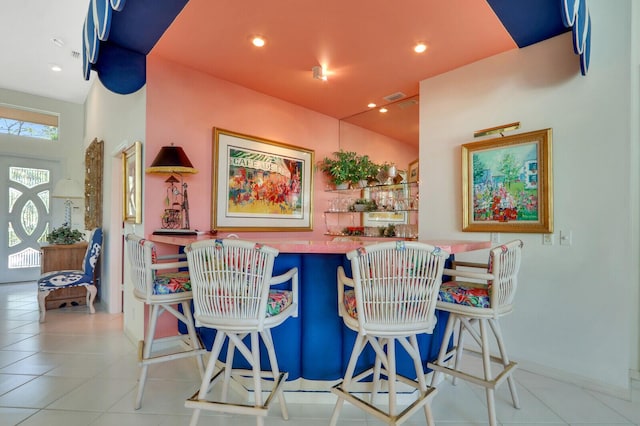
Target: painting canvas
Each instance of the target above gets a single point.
(260, 185)
(507, 184)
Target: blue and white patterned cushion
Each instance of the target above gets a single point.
(73, 278)
(62, 279)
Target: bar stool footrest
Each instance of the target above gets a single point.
(169, 356)
(490, 384)
(233, 408)
(386, 417)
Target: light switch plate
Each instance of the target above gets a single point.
(547, 239)
(566, 238)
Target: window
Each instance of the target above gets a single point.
(28, 123)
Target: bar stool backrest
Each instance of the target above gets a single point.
(141, 254)
(504, 264)
(230, 282)
(396, 286)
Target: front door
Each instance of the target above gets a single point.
(25, 191)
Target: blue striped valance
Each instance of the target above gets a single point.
(575, 15)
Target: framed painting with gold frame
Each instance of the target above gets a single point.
(94, 165)
(507, 184)
(413, 171)
(132, 183)
(260, 184)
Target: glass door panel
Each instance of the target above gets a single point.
(25, 188)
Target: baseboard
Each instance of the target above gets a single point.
(563, 376)
(130, 336)
(635, 378)
(575, 379)
(303, 391)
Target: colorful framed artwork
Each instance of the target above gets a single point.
(260, 184)
(378, 219)
(413, 171)
(132, 183)
(507, 184)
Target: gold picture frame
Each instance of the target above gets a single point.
(507, 184)
(94, 165)
(260, 185)
(132, 183)
(413, 171)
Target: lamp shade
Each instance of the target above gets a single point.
(67, 188)
(171, 159)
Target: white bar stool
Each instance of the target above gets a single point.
(158, 283)
(391, 298)
(474, 306)
(232, 293)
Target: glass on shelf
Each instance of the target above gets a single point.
(372, 186)
(406, 231)
(337, 224)
(341, 204)
(371, 231)
(334, 205)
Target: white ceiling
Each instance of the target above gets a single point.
(28, 28)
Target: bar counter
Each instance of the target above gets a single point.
(338, 245)
(315, 347)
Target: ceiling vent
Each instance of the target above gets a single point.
(407, 104)
(394, 97)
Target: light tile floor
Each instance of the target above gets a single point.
(79, 369)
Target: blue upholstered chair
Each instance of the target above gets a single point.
(55, 280)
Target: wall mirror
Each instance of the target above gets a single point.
(400, 122)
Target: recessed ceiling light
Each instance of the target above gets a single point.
(420, 47)
(383, 109)
(55, 67)
(371, 105)
(258, 41)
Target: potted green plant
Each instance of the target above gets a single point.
(64, 235)
(366, 170)
(364, 205)
(341, 168)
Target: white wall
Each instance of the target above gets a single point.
(119, 121)
(576, 308)
(68, 149)
(635, 179)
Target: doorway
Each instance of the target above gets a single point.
(25, 191)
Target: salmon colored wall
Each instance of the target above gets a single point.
(183, 105)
